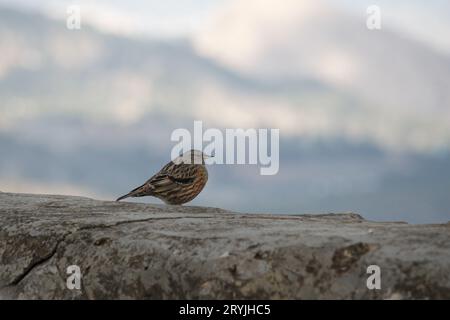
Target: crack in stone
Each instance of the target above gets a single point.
(29, 269)
(34, 265)
(105, 226)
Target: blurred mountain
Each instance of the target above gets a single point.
(83, 110)
(400, 84)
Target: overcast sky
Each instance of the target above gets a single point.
(426, 21)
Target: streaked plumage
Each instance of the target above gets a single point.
(178, 182)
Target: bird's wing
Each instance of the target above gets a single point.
(181, 181)
(172, 176)
(169, 179)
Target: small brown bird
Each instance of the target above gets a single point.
(178, 182)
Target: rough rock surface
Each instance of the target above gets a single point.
(129, 250)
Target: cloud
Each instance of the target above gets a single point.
(396, 87)
(16, 54)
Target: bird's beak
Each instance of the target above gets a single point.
(205, 156)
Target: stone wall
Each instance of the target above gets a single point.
(141, 251)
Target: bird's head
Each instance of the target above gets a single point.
(192, 157)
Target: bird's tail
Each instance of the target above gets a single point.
(128, 195)
(138, 192)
